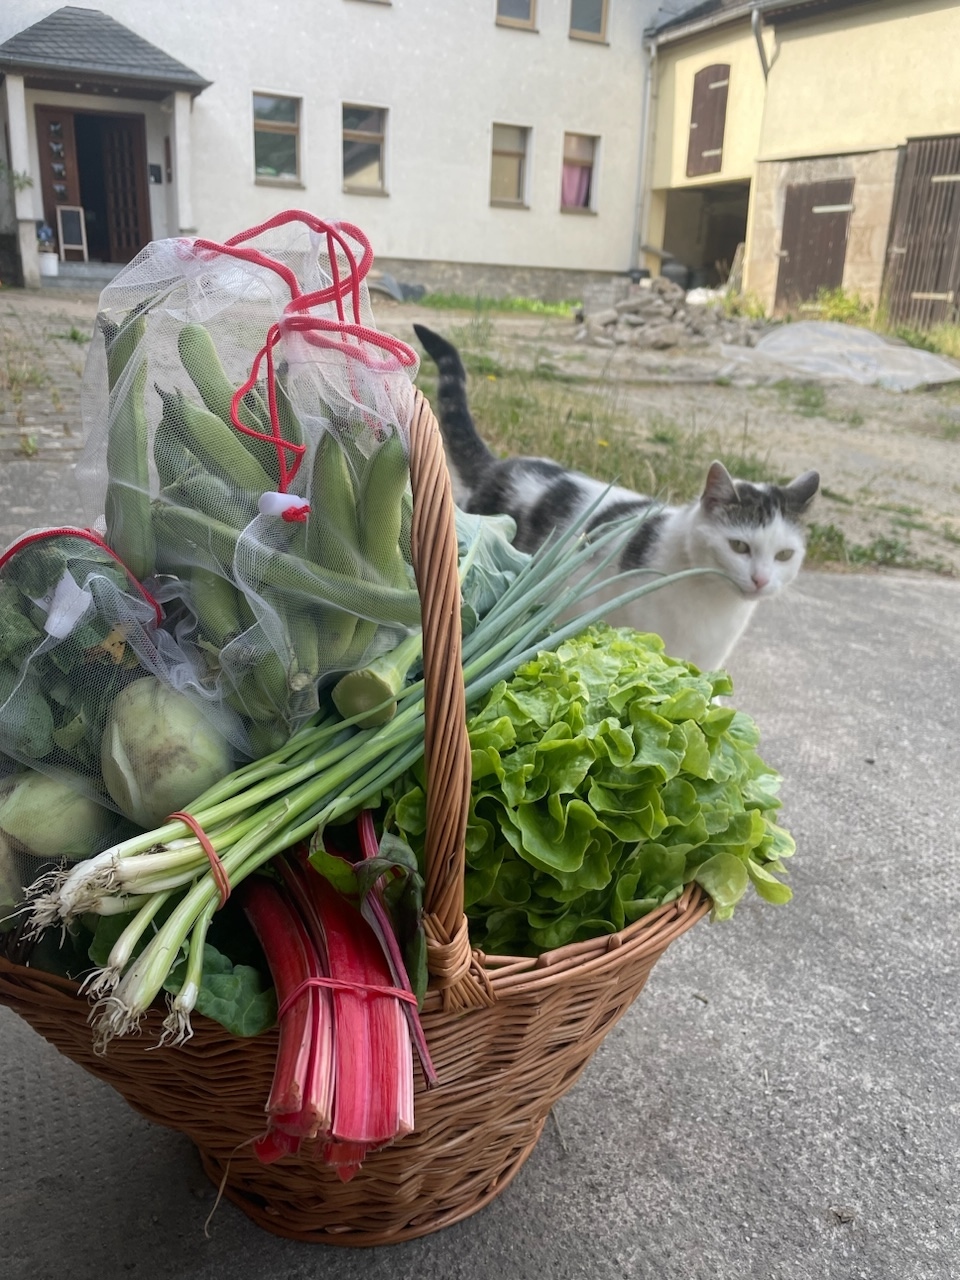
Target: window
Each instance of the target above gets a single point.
(508, 171)
(276, 138)
(576, 187)
(363, 138)
(588, 19)
(517, 13)
(708, 117)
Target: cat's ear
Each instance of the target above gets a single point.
(800, 493)
(719, 489)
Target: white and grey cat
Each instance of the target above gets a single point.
(750, 532)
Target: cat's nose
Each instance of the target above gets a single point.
(760, 580)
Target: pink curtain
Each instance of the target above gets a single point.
(575, 187)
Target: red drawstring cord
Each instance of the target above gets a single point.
(90, 536)
(313, 328)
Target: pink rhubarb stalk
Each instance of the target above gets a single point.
(373, 1089)
(300, 1101)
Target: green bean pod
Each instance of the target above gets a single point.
(204, 538)
(216, 603)
(126, 505)
(381, 523)
(215, 444)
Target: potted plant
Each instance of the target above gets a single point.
(47, 250)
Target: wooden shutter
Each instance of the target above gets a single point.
(708, 118)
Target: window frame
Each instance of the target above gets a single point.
(518, 24)
(279, 127)
(590, 207)
(595, 37)
(521, 202)
(363, 135)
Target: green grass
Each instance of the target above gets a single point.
(826, 544)
(18, 371)
(74, 335)
(808, 399)
(942, 339)
(587, 424)
(478, 302)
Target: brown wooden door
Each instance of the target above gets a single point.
(708, 120)
(59, 176)
(813, 243)
(922, 286)
(125, 182)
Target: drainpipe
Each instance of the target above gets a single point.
(639, 230)
(756, 25)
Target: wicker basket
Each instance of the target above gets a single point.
(508, 1036)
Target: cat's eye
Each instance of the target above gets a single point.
(739, 546)
(785, 554)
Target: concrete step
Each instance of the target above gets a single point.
(82, 275)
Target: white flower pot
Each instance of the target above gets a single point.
(49, 264)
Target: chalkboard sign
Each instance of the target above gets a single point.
(71, 230)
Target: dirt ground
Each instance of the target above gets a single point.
(889, 462)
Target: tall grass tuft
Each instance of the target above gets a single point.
(586, 426)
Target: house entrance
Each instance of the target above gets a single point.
(97, 161)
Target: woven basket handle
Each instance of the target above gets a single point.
(454, 971)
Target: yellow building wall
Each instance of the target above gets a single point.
(860, 80)
(676, 68)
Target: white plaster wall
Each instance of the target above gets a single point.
(445, 72)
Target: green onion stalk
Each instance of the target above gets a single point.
(324, 773)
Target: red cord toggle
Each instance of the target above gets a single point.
(284, 505)
(223, 882)
(342, 984)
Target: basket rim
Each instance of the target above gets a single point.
(512, 977)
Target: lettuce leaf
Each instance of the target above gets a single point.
(606, 777)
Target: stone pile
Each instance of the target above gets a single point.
(659, 314)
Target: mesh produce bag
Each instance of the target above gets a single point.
(247, 447)
(81, 646)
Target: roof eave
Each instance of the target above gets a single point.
(710, 21)
(101, 75)
(769, 9)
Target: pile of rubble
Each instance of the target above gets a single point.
(659, 314)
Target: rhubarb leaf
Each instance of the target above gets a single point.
(235, 995)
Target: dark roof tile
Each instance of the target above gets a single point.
(88, 42)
